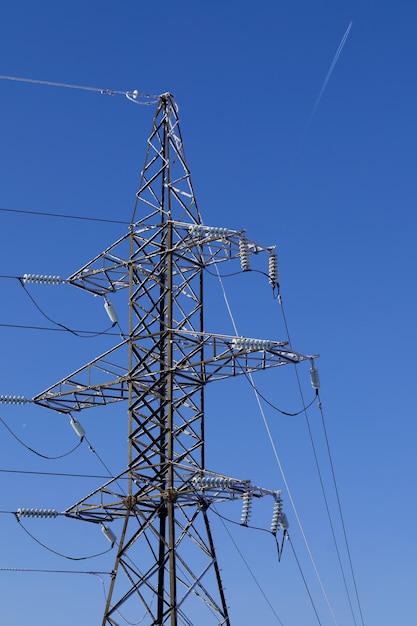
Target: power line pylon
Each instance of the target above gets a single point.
(166, 568)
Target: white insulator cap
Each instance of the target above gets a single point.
(13, 400)
(37, 513)
(283, 522)
(315, 378)
(244, 343)
(273, 269)
(111, 312)
(246, 508)
(276, 515)
(244, 254)
(109, 534)
(210, 482)
(77, 427)
(217, 232)
(195, 230)
(42, 279)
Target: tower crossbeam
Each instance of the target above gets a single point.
(194, 247)
(106, 379)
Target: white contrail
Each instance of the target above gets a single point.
(319, 97)
(329, 73)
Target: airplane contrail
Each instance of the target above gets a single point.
(329, 73)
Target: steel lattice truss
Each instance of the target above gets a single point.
(166, 567)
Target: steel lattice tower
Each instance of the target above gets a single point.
(166, 567)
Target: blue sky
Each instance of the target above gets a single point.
(332, 185)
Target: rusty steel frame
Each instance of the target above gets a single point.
(166, 568)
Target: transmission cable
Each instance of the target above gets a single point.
(303, 577)
(60, 474)
(109, 92)
(64, 216)
(73, 332)
(340, 510)
(28, 570)
(325, 499)
(43, 456)
(273, 406)
(111, 475)
(322, 483)
(61, 330)
(52, 571)
(65, 556)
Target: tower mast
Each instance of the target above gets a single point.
(166, 568)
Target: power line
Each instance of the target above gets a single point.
(64, 216)
(322, 484)
(55, 474)
(340, 511)
(109, 92)
(58, 330)
(52, 571)
(110, 474)
(43, 456)
(62, 326)
(65, 556)
(271, 404)
(304, 579)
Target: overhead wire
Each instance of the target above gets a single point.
(73, 332)
(109, 92)
(271, 404)
(58, 330)
(313, 446)
(65, 556)
(110, 474)
(68, 217)
(43, 456)
(304, 579)
(60, 474)
(97, 574)
(52, 571)
(326, 501)
(289, 492)
(322, 484)
(340, 511)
